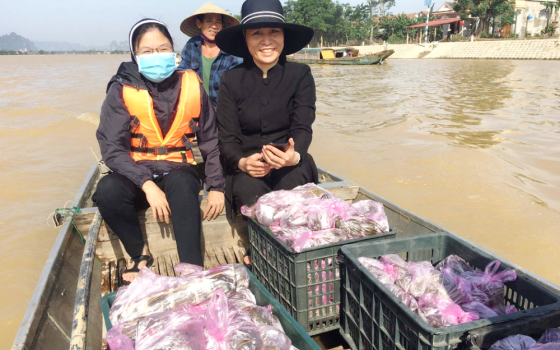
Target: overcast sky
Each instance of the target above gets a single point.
(98, 22)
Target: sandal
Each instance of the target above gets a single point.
(134, 268)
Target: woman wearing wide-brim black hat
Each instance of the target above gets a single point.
(265, 100)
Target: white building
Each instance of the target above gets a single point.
(535, 9)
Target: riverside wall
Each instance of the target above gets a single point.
(539, 49)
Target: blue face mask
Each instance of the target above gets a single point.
(157, 67)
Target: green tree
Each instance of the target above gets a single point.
(326, 17)
(395, 27)
(488, 11)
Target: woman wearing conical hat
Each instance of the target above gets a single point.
(265, 100)
(201, 54)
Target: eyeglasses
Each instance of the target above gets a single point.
(161, 49)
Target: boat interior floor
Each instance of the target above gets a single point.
(112, 271)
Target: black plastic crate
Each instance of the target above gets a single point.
(307, 284)
(387, 324)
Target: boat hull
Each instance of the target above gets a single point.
(349, 61)
(48, 321)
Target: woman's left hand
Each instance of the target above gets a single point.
(215, 205)
(278, 159)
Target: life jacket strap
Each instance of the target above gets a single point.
(158, 150)
(194, 125)
(186, 141)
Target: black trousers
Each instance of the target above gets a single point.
(247, 189)
(119, 199)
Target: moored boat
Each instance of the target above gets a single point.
(72, 271)
(347, 56)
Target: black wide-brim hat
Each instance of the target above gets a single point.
(263, 14)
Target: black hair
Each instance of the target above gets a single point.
(146, 27)
(201, 17)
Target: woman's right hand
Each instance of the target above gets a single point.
(254, 166)
(157, 200)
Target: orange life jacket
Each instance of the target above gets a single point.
(147, 141)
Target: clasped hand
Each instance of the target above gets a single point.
(260, 164)
(160, 207)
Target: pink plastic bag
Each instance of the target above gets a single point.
(185, 269)
(242, 333)
(271, 207)
(442, 311)
(309, 239)
(394, 259)
(150, 293)
(385, 273)
(117, 340)
(372, 216)
(243, 299)
(403, 296)
(514, 342)
(217, 320)
(309, 216)
(421, 278)
(171, 331)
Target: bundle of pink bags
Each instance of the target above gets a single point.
(200, 310)
(550, 340)
(448, 294)
(310, 216)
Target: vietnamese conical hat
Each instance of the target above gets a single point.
(188, 26)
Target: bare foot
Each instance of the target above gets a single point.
(130, 276)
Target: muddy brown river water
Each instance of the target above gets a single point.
(472, 145)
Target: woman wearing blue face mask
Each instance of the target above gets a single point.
(149, 121)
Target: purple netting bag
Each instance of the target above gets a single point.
(458, 288)
(457, 265)
(551, 335)
(480, 309)
(491, 282)
(514, 342)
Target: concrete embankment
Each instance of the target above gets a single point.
(541, 49)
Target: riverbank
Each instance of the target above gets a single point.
(540, 49)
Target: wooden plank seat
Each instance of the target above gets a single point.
(223, 241)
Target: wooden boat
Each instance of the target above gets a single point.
(73, 280)
(348, 56)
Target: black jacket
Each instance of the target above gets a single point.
(114, 133)
(253, 111)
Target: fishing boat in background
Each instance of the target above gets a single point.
(343, 56)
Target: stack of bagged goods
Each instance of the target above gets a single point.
(448, 294)
(309, 216)
(550, 340)
(200, 310)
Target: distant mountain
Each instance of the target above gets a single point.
(122, 46)
(66, 46)
(59, 46)
(14, 42)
